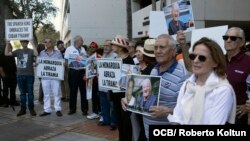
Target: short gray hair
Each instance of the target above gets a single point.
(170, 39)
(76, 38)
(146, 81)
(239, 30)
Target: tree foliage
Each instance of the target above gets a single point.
(39, 10)
(47, 31)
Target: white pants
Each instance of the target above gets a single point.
(54, 87)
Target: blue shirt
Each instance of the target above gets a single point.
(171, 82)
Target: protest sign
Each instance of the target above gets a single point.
(157, 24)
(214, 33)
(109, 71)
(142, 92)
(18, 29)
(179, 16)
(50, 68)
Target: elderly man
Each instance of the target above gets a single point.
(50, 84)
(237, 69)
(147, 99)
(76, 77)
(173, 75)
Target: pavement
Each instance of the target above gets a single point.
(51, 128)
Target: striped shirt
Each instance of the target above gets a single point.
(171, 82)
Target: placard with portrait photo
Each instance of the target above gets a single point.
(142, 92)
(179, 16)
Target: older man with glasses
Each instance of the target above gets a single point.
(237, 69)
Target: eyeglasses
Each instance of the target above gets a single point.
(201, 58)
(232, 38)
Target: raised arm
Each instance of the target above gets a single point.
(8, 50)
(181, 39)
(35, 53)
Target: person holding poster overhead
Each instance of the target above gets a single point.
(25, 75)
(49, 84)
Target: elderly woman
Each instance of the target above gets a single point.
(206, 97)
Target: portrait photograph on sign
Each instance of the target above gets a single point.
(142, 92)
(179, 16)
(127, 69)
(91, 68)
(77, 62)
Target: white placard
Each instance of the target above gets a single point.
(50, 68)
(18, 29)
(214, 33)
(110, 71)
(157, 24)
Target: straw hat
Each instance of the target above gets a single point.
(120, 41)
(148, 48)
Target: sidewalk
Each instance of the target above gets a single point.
(51, 127)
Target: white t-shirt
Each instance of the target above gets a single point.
(72, 53)
(73, 50)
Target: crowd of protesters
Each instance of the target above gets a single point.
(208, 88)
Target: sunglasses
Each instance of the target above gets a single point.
(232, 38)
(201, 58)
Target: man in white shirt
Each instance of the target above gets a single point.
(76, 76)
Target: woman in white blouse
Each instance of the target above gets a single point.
(206, 97)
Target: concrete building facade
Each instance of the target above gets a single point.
(94, 20)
